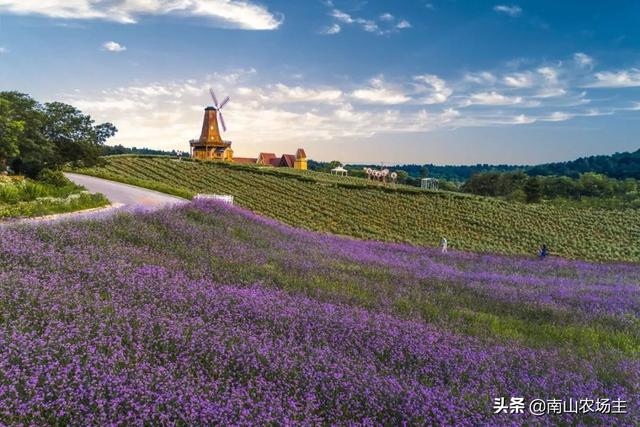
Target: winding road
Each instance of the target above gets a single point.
(123, 197)
(129, 197)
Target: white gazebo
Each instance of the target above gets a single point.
(339, 171)
(429, 184)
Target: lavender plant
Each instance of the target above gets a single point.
(210, 314)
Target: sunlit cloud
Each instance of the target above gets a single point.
(112, 46)
(616, 79)
(286, 112)
(242, 14)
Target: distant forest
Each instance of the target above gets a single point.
(618, 165)
(110, 150)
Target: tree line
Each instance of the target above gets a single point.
(36, 136)
(618, 166)
(518, 186)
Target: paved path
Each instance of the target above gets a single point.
(129, 196)
(123, 197)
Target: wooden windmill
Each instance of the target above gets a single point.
(210, 145)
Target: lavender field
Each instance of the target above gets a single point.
(209, 314)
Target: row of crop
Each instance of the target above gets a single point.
(468, 222)
(253, 183)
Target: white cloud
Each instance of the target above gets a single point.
(342, 16)
(557, 116)
(271, 116)
(3, 50)
(519, 80)
(522, 119)
(387, 23)
(243, 14)
(550, 75)
(491, 98)
(617, 79)
(112, 46)
(583, 60)
(333, 29)
(369, 26)
(435, 88)
(512, 10)
(380, 92)
(483, 77)
(550, 92)
(283, 93)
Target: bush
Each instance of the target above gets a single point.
(53, 177)
(517, 196)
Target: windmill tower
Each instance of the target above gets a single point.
(210, 145)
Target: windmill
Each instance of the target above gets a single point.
(218, 107)
(210, 145)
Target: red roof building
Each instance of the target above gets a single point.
(287, 161)
(266, 159)
(245, 160)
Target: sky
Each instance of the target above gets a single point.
(412, 81)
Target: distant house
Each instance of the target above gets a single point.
(245, 160)
(296, 161)
(287, 161)
(266, 159)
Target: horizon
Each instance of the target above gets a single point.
(448, 83)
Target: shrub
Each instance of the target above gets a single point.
(53, 177)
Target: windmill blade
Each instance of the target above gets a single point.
(213, 96)
(224, 127)
(224, 101)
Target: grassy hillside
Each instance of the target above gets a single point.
(208, 314)
(353, 207)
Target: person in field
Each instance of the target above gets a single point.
(543, 251)
(443, 245)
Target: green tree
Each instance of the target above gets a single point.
(74, 135)
(402, 176)
(594, 184)
(533, 189)
(10, 132)
(33, 148)
(483, 184)
(51, 135)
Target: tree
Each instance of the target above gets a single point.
(533, 189)
(594, 184)
(10, 132)
(51, 135)
(402, 176)
(33, 148)
(483, 184)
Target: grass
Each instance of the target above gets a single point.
(23, 198)
(358, 208)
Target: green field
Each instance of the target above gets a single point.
(355, 207)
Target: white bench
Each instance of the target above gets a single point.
(221, 197)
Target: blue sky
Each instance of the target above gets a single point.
(439, 81)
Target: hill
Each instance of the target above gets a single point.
(618, 165)
(353, 207)
(210, 315)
